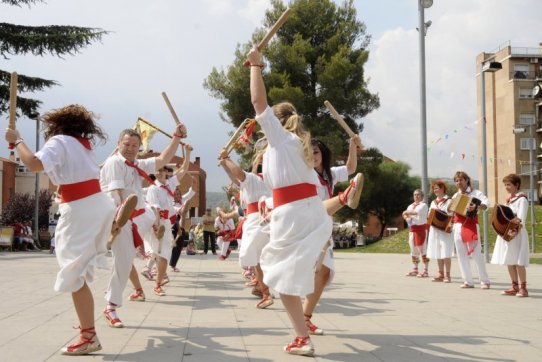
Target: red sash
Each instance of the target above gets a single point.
(138, 240)
(239, 230)
(164, 214)
(251, 208)
(419, 232)
(326, 183)
(168, 190)
(79, 190)
(140, 171)
(285, 195)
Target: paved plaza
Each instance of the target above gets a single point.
(371, 312)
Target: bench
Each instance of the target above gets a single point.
(6, 237)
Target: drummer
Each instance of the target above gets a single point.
(440, 244)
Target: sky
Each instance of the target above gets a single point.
(172, 46)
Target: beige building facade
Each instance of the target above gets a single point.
(512, 121)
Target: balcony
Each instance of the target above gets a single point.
(526, 51)
(524, 75)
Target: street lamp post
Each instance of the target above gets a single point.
(35, 117)
(486, 67)
(422, 30)
(531, 179)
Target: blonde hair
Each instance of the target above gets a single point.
(258, 156)
(292, 122)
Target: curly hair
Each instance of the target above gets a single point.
(292, 122)
(72, 120)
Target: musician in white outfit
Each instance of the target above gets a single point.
(86, 213)
(120, 177)
(515, 253)
(466, 233)
(416, 217)
(440, 243)
(223, 228)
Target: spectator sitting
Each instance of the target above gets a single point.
(191, 248)
(20, 240)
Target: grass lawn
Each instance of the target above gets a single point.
(398, 243)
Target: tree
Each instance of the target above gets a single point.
(387, 189)
(37, 40)
(21, 207)
(318, 54)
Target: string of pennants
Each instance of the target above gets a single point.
(464, 155)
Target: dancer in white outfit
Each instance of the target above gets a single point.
(416, 217)
(86, 214)
(515, 253)
(466, 234)
(440, 243)
(328, 177)
(299, 224)
(121, 176)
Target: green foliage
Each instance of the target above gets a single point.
(318, 54)
(21, 207)
(53, 40)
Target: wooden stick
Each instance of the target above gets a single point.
(168, 103)
(157, 128)
(278, 24)
(233, 139)
(342, 123)
(12, 104)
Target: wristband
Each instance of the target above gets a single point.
(19, 141)
(261, 66)
(178, 135)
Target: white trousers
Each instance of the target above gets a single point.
(123, 256)
(463, 258)
(224, 246)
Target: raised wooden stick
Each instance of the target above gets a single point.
(235, 136)
(168, 103)
(342, 123)
(278, 24)
(12, 104)
(157, 128)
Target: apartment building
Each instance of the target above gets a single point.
(512, 118)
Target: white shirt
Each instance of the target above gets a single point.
(283, 162)
(66, 161)
(421, 218)
(116, 175)
(338, 174)
(252, 188)
(228, 225)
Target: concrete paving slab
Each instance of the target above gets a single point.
(371, 312)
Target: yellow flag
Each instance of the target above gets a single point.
(146, 132)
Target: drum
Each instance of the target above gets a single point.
(440, 220)
(505, 222)
(460, 204)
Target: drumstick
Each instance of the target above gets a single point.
(342, 123)
(12, 104)
(168, 103)
(278, 24)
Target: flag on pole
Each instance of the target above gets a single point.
(146, 132)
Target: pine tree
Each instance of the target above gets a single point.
(53, 40)
(318, 54)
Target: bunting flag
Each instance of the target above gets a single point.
(146, 132)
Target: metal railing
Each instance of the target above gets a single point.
(528, 75)
(526, 51)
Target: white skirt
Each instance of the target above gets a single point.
(80, 240)
(513, 252)
(299, 231)
(440, 244)
(160, 248)
(255, 237)
(329, 262)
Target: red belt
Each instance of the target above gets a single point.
(79, 190)
(252, 207)
(461, 219)
(285, 195)
(164, 214)
(173, 219)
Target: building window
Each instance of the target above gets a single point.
(521, 71)
(525, 142)
(525, 93)
(526, 119)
